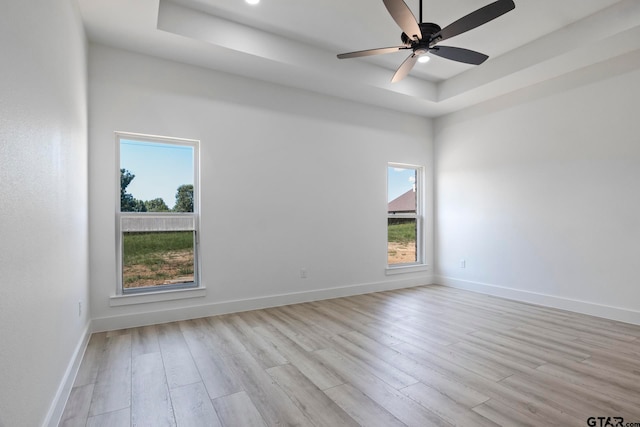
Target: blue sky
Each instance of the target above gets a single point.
(159, 169)
(400, 181)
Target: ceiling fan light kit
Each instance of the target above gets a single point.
(425, 36)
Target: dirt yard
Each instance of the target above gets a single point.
(173, 267)
(401, 253)
(177, 266)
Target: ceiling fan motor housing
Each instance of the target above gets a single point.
(426, 28)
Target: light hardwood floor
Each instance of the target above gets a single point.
(425, 356)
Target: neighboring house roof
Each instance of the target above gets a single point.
(404, 203)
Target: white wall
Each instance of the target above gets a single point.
(43, 209)
(538, 192)
(290, 180)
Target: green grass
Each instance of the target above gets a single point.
(148, 248)
(152, 258)
(404, 231)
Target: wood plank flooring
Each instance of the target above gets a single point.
(425, 356)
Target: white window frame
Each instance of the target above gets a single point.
(158, 221)
(419, 264)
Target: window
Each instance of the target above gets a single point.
(157, 215)
(404, 215)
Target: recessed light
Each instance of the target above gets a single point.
(423, 59)
(252, 1)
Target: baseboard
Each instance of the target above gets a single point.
(64, 389)
(225, 307)
(583, 307)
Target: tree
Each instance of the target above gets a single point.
(127, 203)
(139, 206)
(184, 199)
(156, 205)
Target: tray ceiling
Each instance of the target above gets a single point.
(294, 43)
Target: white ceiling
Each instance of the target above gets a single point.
(294, 43)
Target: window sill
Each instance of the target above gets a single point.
(409, 268)
(157, 296)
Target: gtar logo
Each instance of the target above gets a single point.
(605, 422)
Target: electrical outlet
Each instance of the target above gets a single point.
(463, 263)
(303, 273)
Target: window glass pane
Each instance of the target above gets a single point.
(401, 193)
(157, 258)
(402, 243)
(156, 177)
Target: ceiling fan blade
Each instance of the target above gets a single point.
(370, 52)
(474, 19)
(458, 54)
(404, 69)
(403, 16)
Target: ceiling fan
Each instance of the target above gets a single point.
(424, 37)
